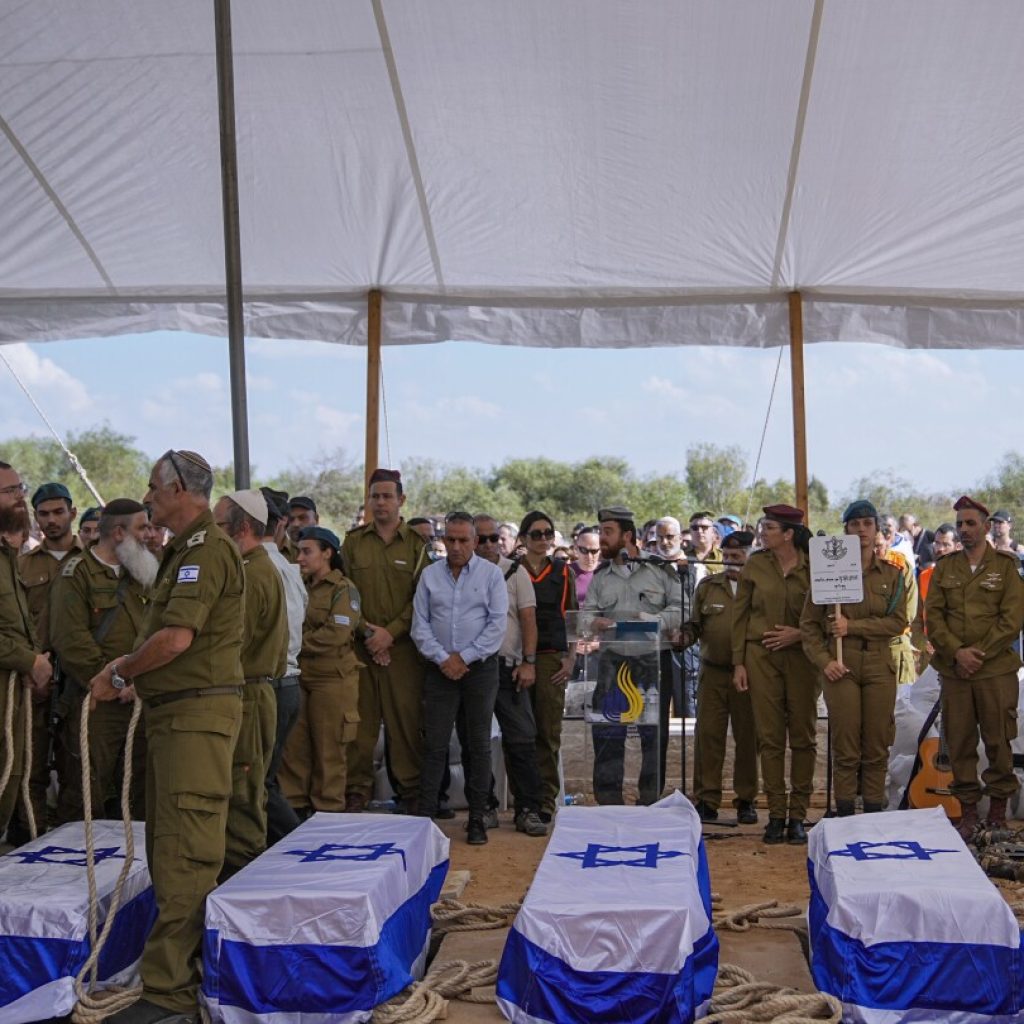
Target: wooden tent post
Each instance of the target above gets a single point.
(796, 366)
(373, 331)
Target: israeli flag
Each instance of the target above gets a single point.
(44, 918)
(328, 923)
(904, 925)
(617, 923)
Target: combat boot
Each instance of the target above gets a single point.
(775, 831)
(997, 812)
(845, 808)
(968, 821)
(870, 808)
(796, 834)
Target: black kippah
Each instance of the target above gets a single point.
(123, 507)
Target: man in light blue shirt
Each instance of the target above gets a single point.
(458, 625)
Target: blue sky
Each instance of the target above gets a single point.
(869, 407)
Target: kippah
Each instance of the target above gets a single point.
(121, 507)
(738, 539)
(196, 459)
(252, 503)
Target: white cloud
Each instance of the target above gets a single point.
(662, 386)
(336, 420)
(56, 390)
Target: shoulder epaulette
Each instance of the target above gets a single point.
(197, 538)
(1008, 554)
(68, 569)
(357, 529)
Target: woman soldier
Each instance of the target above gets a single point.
(768, 660)
(312, 774)
(860, 688)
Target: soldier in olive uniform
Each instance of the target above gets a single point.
(188, 673)
(55, 514)
(975, 609)
(19, 651)
(719, 703)
(243, 517)
(314, 764)
(97, 604)
(860, 689)
(384, 560)
(768, 659)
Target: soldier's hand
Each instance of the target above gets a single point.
(780, 637)
(127, 695)
(101, 688)
(41, 675)
(839, 625)
(835, 670)
(739, 678)
(968, 661)
(379, 641)
(383, 659)
(524, 675)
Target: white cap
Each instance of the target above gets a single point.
(252, 503)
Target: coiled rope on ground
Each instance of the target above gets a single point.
(450, 915)
(769, 914)
(95, 1004)
(739, 998)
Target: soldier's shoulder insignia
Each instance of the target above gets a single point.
(68, 569)
(197, 538)
(1012, 555)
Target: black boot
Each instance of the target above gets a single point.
(870, 808)
(795, 834)
(845, 808)
(746, 813)
(775, 831)
(705, 811)
(476, 832)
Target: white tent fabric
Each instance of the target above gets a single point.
(576, 173)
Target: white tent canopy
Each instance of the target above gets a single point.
(544, 172)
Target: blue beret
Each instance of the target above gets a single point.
(322, 534)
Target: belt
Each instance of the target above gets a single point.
(284, 682)
(715, 664)
(206, 691)
(258, 679)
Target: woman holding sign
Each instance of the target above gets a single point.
(768, 660)
(860, 685)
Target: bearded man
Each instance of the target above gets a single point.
(97, 605)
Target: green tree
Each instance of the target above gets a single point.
(715, 475)
(333, 481)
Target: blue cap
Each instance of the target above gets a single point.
(48, 492)
(320, 533)
(860, 509)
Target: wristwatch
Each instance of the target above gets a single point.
(117, 680)
(530, 659)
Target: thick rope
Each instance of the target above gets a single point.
(26, 778)
(452, 916)
(788, 917)
(94, 1004)
(740, 999)
(5, 773)
(427, 1000)
(8, 768)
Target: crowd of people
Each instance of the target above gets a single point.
(270, 655)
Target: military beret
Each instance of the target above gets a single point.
(785, 514)
(277, 501)
(252, 503)
(1000, 516)
(301, 501)
(738, 539)
(92, 515)
(966, 502)
(121, 507)
(322, 534)
(860, 509)
(385, 476)
(614, 512)
(48, 492)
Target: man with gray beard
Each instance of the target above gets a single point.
(96, 610)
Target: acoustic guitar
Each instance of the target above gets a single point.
(930, 786)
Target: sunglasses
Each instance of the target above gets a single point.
(488, 538)
(541, 534)
(170, 456)
(588, 551)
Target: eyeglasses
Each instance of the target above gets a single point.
(541, 534)
(588, 551)
(15, 489)
(700, 526)
(488, 538)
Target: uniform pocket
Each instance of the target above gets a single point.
(1011, 725)
(203, 748)
(349, 726)
(201, 824)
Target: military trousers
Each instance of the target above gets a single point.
(314, 766)
(10, 795)
(719, 705)
(861, 715)
(391, 694)
(281, 817)
(247, 811)
(548, 701)
(988, 705)
(784, 697)
(108, 729)
(190, 750)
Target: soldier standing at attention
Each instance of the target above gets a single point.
(384, 560)
(975, 609)
(315, 760)
(719, 703)
(19, 651)
(98, 603)
(243, 517)
(768, 660)
(860, 690)
(55, 514)
(188, 673)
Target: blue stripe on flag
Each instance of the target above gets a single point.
(941, 976)
(311, 978)
(545, 987)
(29, 963)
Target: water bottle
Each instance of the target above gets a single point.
(574, 799)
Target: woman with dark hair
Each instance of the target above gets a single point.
(860, 688)
(768, 659)
(313, 766)
(555, 589)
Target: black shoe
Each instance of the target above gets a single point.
(444, 814)
(544, 816)
(795, 834)
(145, 1012)
(746, 813)
(705, 811)
(476, 833)
(775, 831)
(845, 808)
(870, 808)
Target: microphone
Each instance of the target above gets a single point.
(821, 533)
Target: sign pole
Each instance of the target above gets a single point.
(839, 639)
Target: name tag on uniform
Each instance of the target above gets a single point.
(188, 574)
(342, 620)
(400, 561)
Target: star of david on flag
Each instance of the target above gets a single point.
(644, 855)
(65, 855)
(902, 849)
(343, 851)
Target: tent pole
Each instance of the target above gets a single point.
(373, 331)
(232, 241)
(796, 366)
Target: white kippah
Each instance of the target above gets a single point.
(251, 502)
